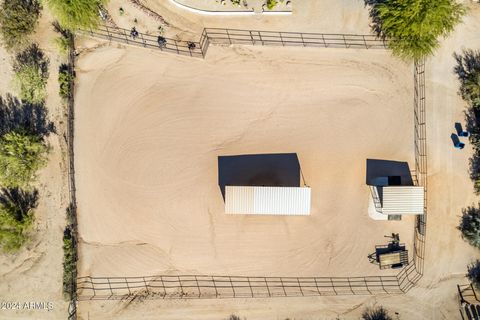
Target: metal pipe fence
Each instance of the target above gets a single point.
(181, 47)
(409, 276)
(299, 39)
(201, 286)
(72, 291)
(218, 36)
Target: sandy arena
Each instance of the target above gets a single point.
(150, 129)
(449, 186)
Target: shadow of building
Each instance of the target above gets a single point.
(393, 172)
(268, 170)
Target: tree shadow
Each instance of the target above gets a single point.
(62, 31)
(473, 273)
(376, 23)
(467, 70)
(32, 56)
(19, 202)
(474, 169)
(468, 64)
(17, 115)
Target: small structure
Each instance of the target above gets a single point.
(263, 184)
(394, 192)
(394, 255)
(391, 256)
(391, 202)
(267, 200)
(402, 200)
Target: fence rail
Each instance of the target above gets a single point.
(200, 286)
(301, 39)
(72, 290)
(186, 48)
(220, 36)
(409, 276)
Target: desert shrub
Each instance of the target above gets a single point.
(18, 19)
(234, 317)
(69, 263)
(413, 26)
(65, 79)
(16, 217)
(378, 313)
(76, 14)
(21, 156)
(470, 225)
(271, 4)
(31, 74)
(63, 45)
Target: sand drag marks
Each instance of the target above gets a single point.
(146, 158)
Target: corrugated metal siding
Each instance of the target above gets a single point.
(239, 199)
(267, 200)
(403, 200)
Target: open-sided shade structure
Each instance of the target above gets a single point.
(267, 200)
(402, 200)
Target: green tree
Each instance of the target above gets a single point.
(76, 14)
(69, 263)
(31, 74)
(65, 80)
(16, 216)
(470, 225)
(413, 26)
(271, 4)
(378, 313)
(21, 156)
(18, 19)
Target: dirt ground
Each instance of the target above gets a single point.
(35, 272)
(449, 188)
(146, 159)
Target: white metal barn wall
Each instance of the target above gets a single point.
(267, 200)
(403, 200)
